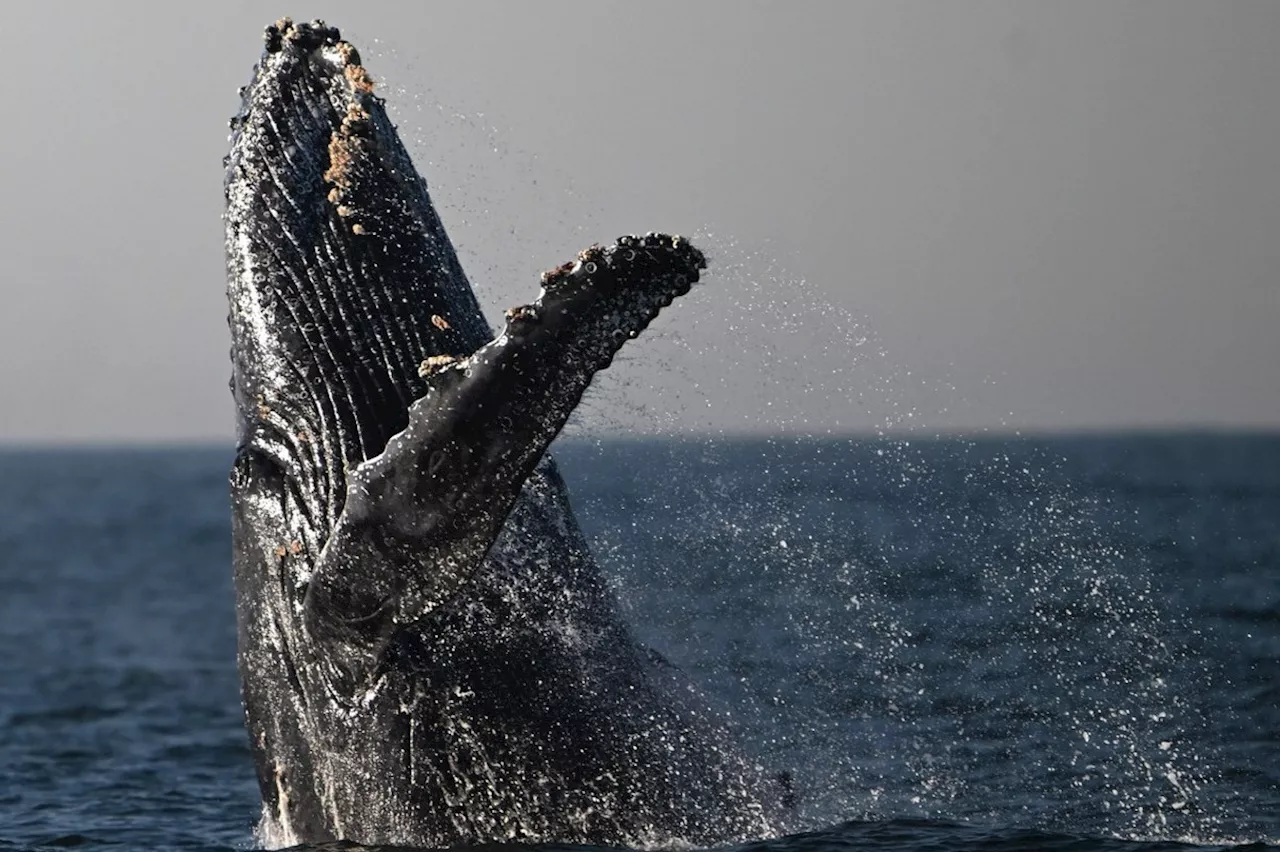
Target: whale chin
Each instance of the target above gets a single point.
(407, 563)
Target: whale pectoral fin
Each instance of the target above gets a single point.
(419, 518)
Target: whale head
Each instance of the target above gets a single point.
(341, 279)
(377, 412)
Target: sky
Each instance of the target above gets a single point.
(925, 216)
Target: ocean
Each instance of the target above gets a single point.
(952, 644)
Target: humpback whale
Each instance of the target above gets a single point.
(429, 653)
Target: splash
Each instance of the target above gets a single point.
(971, 637)
(272, 833)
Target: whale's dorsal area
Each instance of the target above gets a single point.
(429, 655)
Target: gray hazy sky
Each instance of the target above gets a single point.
(950, 215)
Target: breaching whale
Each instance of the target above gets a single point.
(428, 652)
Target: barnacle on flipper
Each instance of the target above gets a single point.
(435, 364)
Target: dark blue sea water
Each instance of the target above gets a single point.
(1068, 643)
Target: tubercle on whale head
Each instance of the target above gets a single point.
(311, 35)
(333, 61)
(317, 35)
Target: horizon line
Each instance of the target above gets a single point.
(618, 436)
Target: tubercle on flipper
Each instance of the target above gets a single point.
(549, 350)
(595, 304)
(625, 250)
(616, 291)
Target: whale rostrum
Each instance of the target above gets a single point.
(429, 654)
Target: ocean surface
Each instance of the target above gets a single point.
(1057, 643)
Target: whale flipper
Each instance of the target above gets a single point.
(421, 516)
